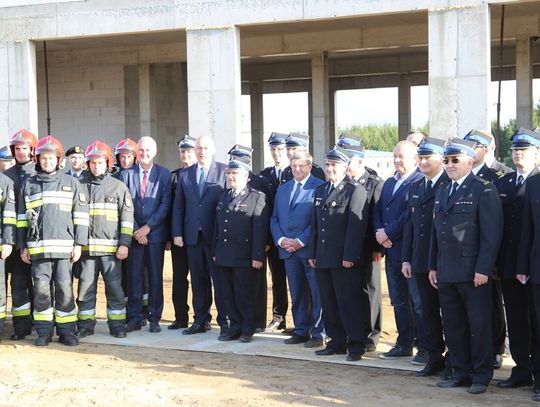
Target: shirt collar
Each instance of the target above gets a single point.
(339, 182)
(525, 174)
(435, 178)
(460, 181)
(477, 169)
(302, 182)
(141, 170)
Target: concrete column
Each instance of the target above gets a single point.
(257, 125)
(18, 88)
(320, 114)
(310, 119)
(404, 106)
(214, 89)
(332, 117)
(524, 77)
(147, 101)
(459, 70)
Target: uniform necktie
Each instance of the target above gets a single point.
(455, 186)
(429, 185)
(278, 173)
(296, 193)
(202, 181)
(519, 182)
(144, 183)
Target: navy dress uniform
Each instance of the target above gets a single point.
(517, 296)
(484, 140)
(262, 184)
(296, 140)
(54, 218)
(416, 232)
(338, 234)
(111, 226)
(180, 266)
(372, 294)
(21, 274)
(74, 150)
(8, 232)
(465, 239)
(280, 298)
(241, 234)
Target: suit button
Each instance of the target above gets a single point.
(227, 211)
(443, 233)
(421, 235)
(421, 224)
(385, 223)
(226, 221)
(323, 219)
(444, 223)
(322, 230)
(387, 209)
(200, 205)
(323, 241)
(247, 240)
(224, 240)
(224, 230)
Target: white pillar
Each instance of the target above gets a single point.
(459, 70)
(214, 88)
(257, 125)
(320, 138)
(524, 77)
(18, 88)
(404, 106)
(147, 101)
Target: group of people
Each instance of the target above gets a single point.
(456, 228)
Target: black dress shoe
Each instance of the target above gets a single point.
(513, 382)
(194, 329)
(453, 382)
(244, 338)
(331, 351)
(154, 327)
(69, 339)
(371, 347)
(226, 337)
(295, 339)
(43, 340)
(177, 325)
(133, 326)
(354, 357)
(314, 343)
(431, 369)
(477, 388)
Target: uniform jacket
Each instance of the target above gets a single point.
(294, 222)
(488, 174)
(241, 230)
(339, 225)
(273, 181)
(467, 231)
(8, 220)
(60, 208)
(262, 184)
(528, 256)
(111, 215)
(18, 174)
(418, 224)
(192, 214)
(391, 211)
(316, 171)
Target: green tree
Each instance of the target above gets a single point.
(536, 115)
(375, 137)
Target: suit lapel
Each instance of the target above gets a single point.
(192, 175)
(137, 181)
(409, 179)
(211, 177)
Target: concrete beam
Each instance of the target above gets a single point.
(147, 101)
(257, 125)
(214, 93)
(320, 138)
(459, 70)
(524, 96)
(18, 88)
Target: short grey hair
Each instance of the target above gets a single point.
(302, 155)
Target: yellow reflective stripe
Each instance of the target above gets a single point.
(2, 315)
(100, 248)
(22, 224)
(65, 320)
(50, 249)
(20, 313)
(46, 315)
(10, 221)
(82, 222)
(102, 212)
(126, 231)
(116, 315)
(84, 317)
(34, 204)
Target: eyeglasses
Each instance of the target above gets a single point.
(453, 160)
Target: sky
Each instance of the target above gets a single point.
(288, 112)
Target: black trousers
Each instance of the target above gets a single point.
(280, 298)
(519, 306)
(238, 287)
(344, 314)
(431, 311)
(261, 298)
(498, 320)
(180, 283)
(466, 312)
(374, 301)
(21, 292)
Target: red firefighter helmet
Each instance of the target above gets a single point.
(22, 136)
(50, 144)
(99, 149)
(126, 145)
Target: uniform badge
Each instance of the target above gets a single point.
(68, 189)
(416, 196)
(111, 199)
(412, 209)
(318, 201)
(333, 203)
(83, 198)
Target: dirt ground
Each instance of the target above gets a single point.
(117, 375)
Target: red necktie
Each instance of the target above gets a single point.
(144, 183)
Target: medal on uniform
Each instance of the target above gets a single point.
(333, 203)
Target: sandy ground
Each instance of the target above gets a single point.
(117, 375)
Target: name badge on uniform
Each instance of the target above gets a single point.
(318, 201)
(503, 195)
(333, 203)
(416, 196)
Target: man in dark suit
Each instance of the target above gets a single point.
(280, 300)
(415, 256)
(483, 145)
(180, 284)
(336, 251)
(367, 178)
(241, 234)
(465, 239)
(194, 214)
(297, 142)
(150, 188)
(388, 221)
(517, 296)
(291, 230)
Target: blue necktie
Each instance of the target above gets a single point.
(296, 193)
(202, 181)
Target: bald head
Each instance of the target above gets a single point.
(405, 156)
(205, 149)
(146, 151)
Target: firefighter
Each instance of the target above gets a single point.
(8, 228)
(109, 237)
(53, 218)
(22, 145)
